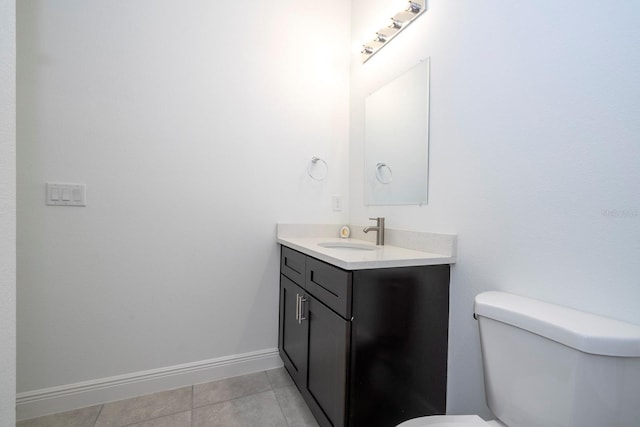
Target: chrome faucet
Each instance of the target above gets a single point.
(379, 228)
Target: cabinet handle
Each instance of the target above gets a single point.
(298, 307)
(300, 317)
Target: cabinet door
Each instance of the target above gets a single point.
(329, 337)
(292, 334)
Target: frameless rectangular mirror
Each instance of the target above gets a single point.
(397, 140)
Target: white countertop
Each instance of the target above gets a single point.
(386, 256)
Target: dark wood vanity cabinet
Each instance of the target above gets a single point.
(366, 348)
(313, 339)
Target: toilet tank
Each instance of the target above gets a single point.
(546, 365)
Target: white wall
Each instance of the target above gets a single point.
(533, 154)
(7, 213)
(193, 136)
(192, 123)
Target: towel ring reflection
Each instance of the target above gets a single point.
(384, 174)
(317, 169)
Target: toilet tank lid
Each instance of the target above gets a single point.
(583, 331)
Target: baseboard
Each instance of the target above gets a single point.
(63, 398)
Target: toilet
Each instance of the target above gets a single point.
(548, 365)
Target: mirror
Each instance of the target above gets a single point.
(397, 140)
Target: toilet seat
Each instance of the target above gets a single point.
(446, 421)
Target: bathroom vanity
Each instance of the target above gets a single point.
(364, 335)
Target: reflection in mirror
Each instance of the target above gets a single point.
(397, 140)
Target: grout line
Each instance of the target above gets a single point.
(269, 380)
(237, 397)
(193, 391)
(273, 390)
(153, 418)
(98, 416)
(286, 420)
(234, 398)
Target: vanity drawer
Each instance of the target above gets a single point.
(292, 265)
(331, 285)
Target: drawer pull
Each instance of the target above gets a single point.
(298, 307)
(300, 316)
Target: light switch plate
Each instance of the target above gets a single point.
(60, 194)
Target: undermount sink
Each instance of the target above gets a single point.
(348, 245)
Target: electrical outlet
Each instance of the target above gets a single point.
(336, 203)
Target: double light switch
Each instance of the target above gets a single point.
(66, 194)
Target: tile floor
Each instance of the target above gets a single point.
(264, 399)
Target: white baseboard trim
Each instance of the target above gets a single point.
(63, 398)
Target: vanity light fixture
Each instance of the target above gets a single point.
(399, 22)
